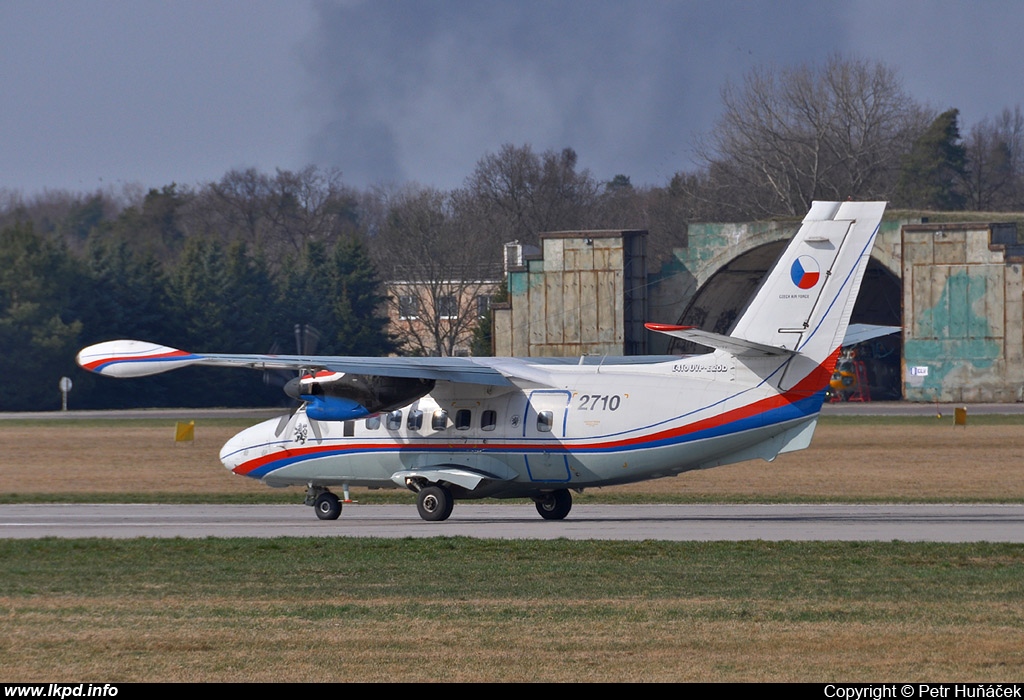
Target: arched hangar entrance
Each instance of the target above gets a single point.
(720, 301)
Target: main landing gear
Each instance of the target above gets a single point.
(434, 503)
(554, 505)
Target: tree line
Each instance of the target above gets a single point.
(239, 264)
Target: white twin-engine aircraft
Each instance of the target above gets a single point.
(474, 427)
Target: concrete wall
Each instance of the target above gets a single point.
(570, 300)
(963, 310)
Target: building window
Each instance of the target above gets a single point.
(447, 307)
(483, 305)
(408, 307)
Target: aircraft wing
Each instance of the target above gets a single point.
(134, 358)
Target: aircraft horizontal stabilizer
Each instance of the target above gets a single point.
(737, 346)
(863, 332)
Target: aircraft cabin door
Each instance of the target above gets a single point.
(543, 429)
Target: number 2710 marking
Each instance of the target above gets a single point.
(600, 402)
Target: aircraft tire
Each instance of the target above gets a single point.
(435, 503)
(555, 505)
(327, 506)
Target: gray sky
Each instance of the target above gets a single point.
(97, 94)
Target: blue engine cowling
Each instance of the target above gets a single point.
(335, 408)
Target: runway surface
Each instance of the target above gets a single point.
(925, 523)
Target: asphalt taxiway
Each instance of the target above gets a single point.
(915, 523)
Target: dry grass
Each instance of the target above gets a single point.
(849, 458)
(116, 457)
(103, 640)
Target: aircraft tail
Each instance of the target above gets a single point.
(805, 303)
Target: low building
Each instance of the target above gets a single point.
(438, 317)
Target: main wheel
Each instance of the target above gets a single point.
(435, 503)
(555, 505)
(327, 506)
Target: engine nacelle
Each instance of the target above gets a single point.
(334, 408)
(340, 397)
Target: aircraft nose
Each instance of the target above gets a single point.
(247, 445)
(232, 454)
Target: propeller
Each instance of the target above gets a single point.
(306, 339)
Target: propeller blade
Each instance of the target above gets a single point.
(285, 420)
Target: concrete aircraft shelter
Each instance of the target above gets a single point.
(955, 288)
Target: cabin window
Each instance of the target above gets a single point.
(489, 420)
(545, 419)
(440, 420)
(373, 422)
(463, 418)
(350, 428)
(415, 421)
(394, 420)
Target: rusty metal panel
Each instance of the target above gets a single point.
(553, 255)
(571, 311)
(609, 308)
(588, 306)
(555, 308)
(1013, 319)
(950, 247)
(538, 308)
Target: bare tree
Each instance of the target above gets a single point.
(788, 137)
(439, 270)
(281, 213)
(520, 193)
(995, 156)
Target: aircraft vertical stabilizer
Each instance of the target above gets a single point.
(805, 303)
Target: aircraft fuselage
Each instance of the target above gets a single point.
(590, 426)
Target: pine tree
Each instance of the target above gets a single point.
(932, 173)
(359, 302)
(39, 327)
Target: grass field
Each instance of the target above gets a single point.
(479, 610)
(461, 609)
